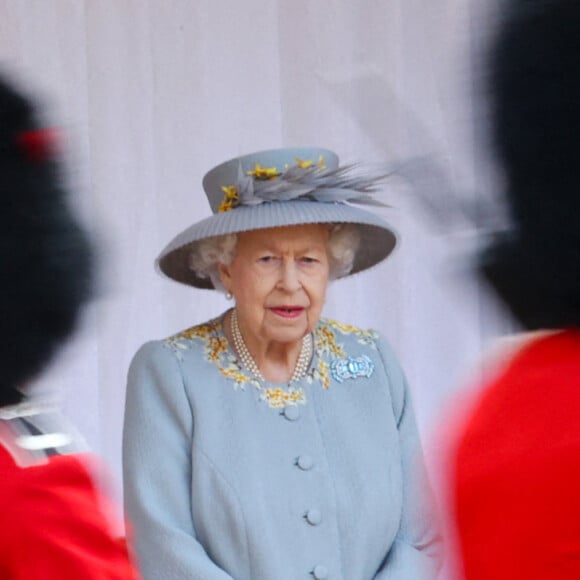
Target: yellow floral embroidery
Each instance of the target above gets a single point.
(233, 373)
(215, 347)
(217, 351)
(325, 341)
(260, 172)
(278, 398)
(200, 331)
(344, 328)
(322, 374)
(364, 336)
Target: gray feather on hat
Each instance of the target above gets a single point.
(306, 181)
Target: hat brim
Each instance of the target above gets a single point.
(378, 239)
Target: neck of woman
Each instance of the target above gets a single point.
(275, 361)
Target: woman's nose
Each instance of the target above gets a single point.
(289, 276)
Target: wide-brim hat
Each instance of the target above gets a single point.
(284, 187)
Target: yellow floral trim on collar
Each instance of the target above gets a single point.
(325, 342)
(235, 374)
(364, 336)
(201, 331)
(321, 373)
(279, 398)
(217, 351)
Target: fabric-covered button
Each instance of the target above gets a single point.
(292, 413)
(313, 517)
(305, 462)
(320, 572)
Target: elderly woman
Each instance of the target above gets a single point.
(270, 443)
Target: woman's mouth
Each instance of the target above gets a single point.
(287, 311)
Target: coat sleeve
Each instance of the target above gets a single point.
(157, 467)
(414, 554)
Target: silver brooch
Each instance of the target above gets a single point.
(351, 368)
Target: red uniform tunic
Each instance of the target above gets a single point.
(53, 519)
(517, 471)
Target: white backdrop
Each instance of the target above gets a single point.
(153, 93)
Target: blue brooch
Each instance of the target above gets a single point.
(351, 368)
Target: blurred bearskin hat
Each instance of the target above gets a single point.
(45, 257)
(535, 84)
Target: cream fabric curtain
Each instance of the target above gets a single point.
(153, 93)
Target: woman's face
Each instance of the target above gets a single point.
(278, 277)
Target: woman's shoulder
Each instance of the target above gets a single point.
(200, 334)
(344, 331)
(191, 340)
(330, 334)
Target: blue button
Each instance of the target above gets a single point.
(292, 413)
(305, 462)
(320, 572)
(313, 517)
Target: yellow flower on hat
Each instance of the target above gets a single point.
(231, 192)
(303, 164)
(260, 172)
(321, 164)
(230, 198)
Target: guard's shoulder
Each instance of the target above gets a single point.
(32, 433)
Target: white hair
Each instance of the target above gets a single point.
(208, 254)
(343, 244)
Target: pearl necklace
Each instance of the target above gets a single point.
(248, 361)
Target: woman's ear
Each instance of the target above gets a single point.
(225, 276)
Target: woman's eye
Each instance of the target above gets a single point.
(266, 259)
(309, 260)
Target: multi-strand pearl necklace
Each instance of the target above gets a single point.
(248, 361)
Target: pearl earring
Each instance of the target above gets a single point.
(229, 295)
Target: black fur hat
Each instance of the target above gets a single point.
(45, 257)
(535, 82)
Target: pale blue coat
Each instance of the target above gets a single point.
(226, 478)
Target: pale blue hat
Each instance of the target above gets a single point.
(283, 187)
